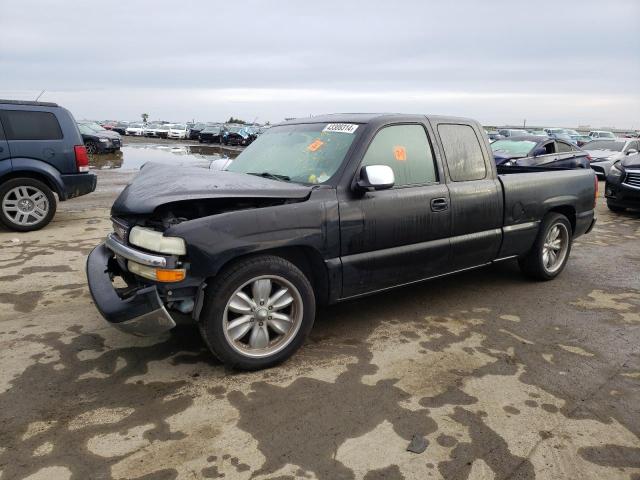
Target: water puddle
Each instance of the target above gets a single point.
(132, 157)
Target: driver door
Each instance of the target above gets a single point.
(399, 235)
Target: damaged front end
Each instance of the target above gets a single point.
(141, 278)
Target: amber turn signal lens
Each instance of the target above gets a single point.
(175, 275)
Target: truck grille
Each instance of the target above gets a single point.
(632, 179)
(121, 229)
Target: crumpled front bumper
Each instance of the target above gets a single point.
(140, 313)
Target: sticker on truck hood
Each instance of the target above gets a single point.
(340, 128)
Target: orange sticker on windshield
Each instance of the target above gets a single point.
(400, 153)
(315, 145)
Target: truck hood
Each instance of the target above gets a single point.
(158, 184)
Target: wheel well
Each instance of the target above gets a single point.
(569, 212)
(307, 259)
(34, 175)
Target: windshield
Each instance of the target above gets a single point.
(95, 127)
(85, 130)
(511, 147)
(302, 153)
(605, 135)
(604, 145)
(233, 129)
(178, 126)
(135, 125)
(211, 130)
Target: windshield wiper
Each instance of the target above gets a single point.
(272, 176)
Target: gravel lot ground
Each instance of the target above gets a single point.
(503, 377)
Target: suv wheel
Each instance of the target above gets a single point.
(550, 252)
(26, 204)
(257, 313)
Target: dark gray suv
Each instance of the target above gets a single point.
(41, 153)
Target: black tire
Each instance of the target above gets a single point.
(219, 293)
(615, 208)
(9, 185)
(532, 264)
(91, 147)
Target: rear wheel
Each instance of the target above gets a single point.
(26, 204)
(551, 249)
(257, 313)
(615, 208)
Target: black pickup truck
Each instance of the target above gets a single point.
(322, 210)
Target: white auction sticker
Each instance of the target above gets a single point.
(340, 128)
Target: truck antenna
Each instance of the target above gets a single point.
(38, 97)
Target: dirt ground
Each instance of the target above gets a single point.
(503, 377)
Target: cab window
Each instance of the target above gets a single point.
(406, 149)
(463, 152)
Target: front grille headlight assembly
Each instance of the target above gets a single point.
(616, 172)
(155, 241)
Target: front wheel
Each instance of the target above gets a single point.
(551, 249)
(257, 313)
(26, 204)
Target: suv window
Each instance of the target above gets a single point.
(563, 147)
(463, 152)
(406, 149)
(27, 125)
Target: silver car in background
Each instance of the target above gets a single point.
(605, 153)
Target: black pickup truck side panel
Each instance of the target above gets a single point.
(530, 195)
(215, 240)
(476, 206)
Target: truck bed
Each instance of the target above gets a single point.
(529, 192)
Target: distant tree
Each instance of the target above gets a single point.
(145, 117)
(235, 120)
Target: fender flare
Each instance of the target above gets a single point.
(51, 174)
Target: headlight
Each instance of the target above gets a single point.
(104, 140)
(616, 171)
(156, 242)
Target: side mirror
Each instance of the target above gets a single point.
(632, 151)
(539, 151)
(375, 177)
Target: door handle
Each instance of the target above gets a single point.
(439, 204)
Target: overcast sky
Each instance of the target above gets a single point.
(564, 63)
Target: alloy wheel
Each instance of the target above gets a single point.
(555, 247)
(25, 205)
(263, 316)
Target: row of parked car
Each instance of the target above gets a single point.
(226, 134)
(566, 134)
(528, 150)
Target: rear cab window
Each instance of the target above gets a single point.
(407, 151)
(30, 125)
(463, 152)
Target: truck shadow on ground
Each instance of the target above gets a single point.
(54, 409)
